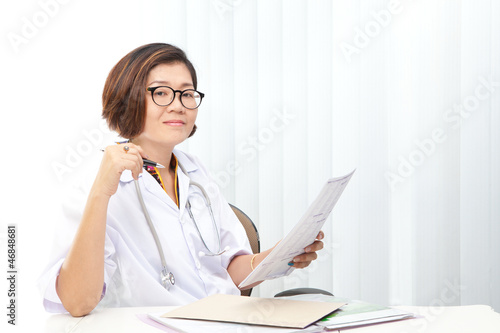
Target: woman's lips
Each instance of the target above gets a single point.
(174, 122)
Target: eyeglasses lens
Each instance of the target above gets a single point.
(190, 98)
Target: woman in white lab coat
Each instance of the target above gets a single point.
(108, 255)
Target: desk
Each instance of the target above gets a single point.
(456, 319)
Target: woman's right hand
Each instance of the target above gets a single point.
(117, 159)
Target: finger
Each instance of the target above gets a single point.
(127, 147)
(126, 159)
(114, 162)
(134, 150)
(133, 147)
(301, 264)
(321, 235)
(128, 163)
(135, 164)
(141, 151)
(304, 258)
(316, 246)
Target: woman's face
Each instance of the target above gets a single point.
(171, 124)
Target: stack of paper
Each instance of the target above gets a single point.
(354, 313)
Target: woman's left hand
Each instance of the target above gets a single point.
(305, 259)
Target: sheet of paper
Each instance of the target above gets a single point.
(203, 326)
(303, 234)
(255, 310)
(358, 313)
(354, 313)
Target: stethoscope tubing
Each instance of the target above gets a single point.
(167, 276)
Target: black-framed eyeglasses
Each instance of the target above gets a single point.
(164, 95)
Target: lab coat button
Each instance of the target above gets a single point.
(198, 265)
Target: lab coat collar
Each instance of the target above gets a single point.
(186, 162)
(184, 179)
(148, 182)
(127, 176)
(152, 186)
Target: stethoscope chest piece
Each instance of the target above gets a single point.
(167, 279)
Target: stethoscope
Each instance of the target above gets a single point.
(167, 277)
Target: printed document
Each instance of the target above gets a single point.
(303, 234)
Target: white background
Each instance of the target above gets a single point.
(363, 84)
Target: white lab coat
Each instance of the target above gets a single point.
(132, 263)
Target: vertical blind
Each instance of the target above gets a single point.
(406, 92)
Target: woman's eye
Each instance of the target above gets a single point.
(188, 94)
(162, 92)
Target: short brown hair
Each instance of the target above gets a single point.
(124, 94)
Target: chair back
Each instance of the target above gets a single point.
(253, 237)
(252, 234)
